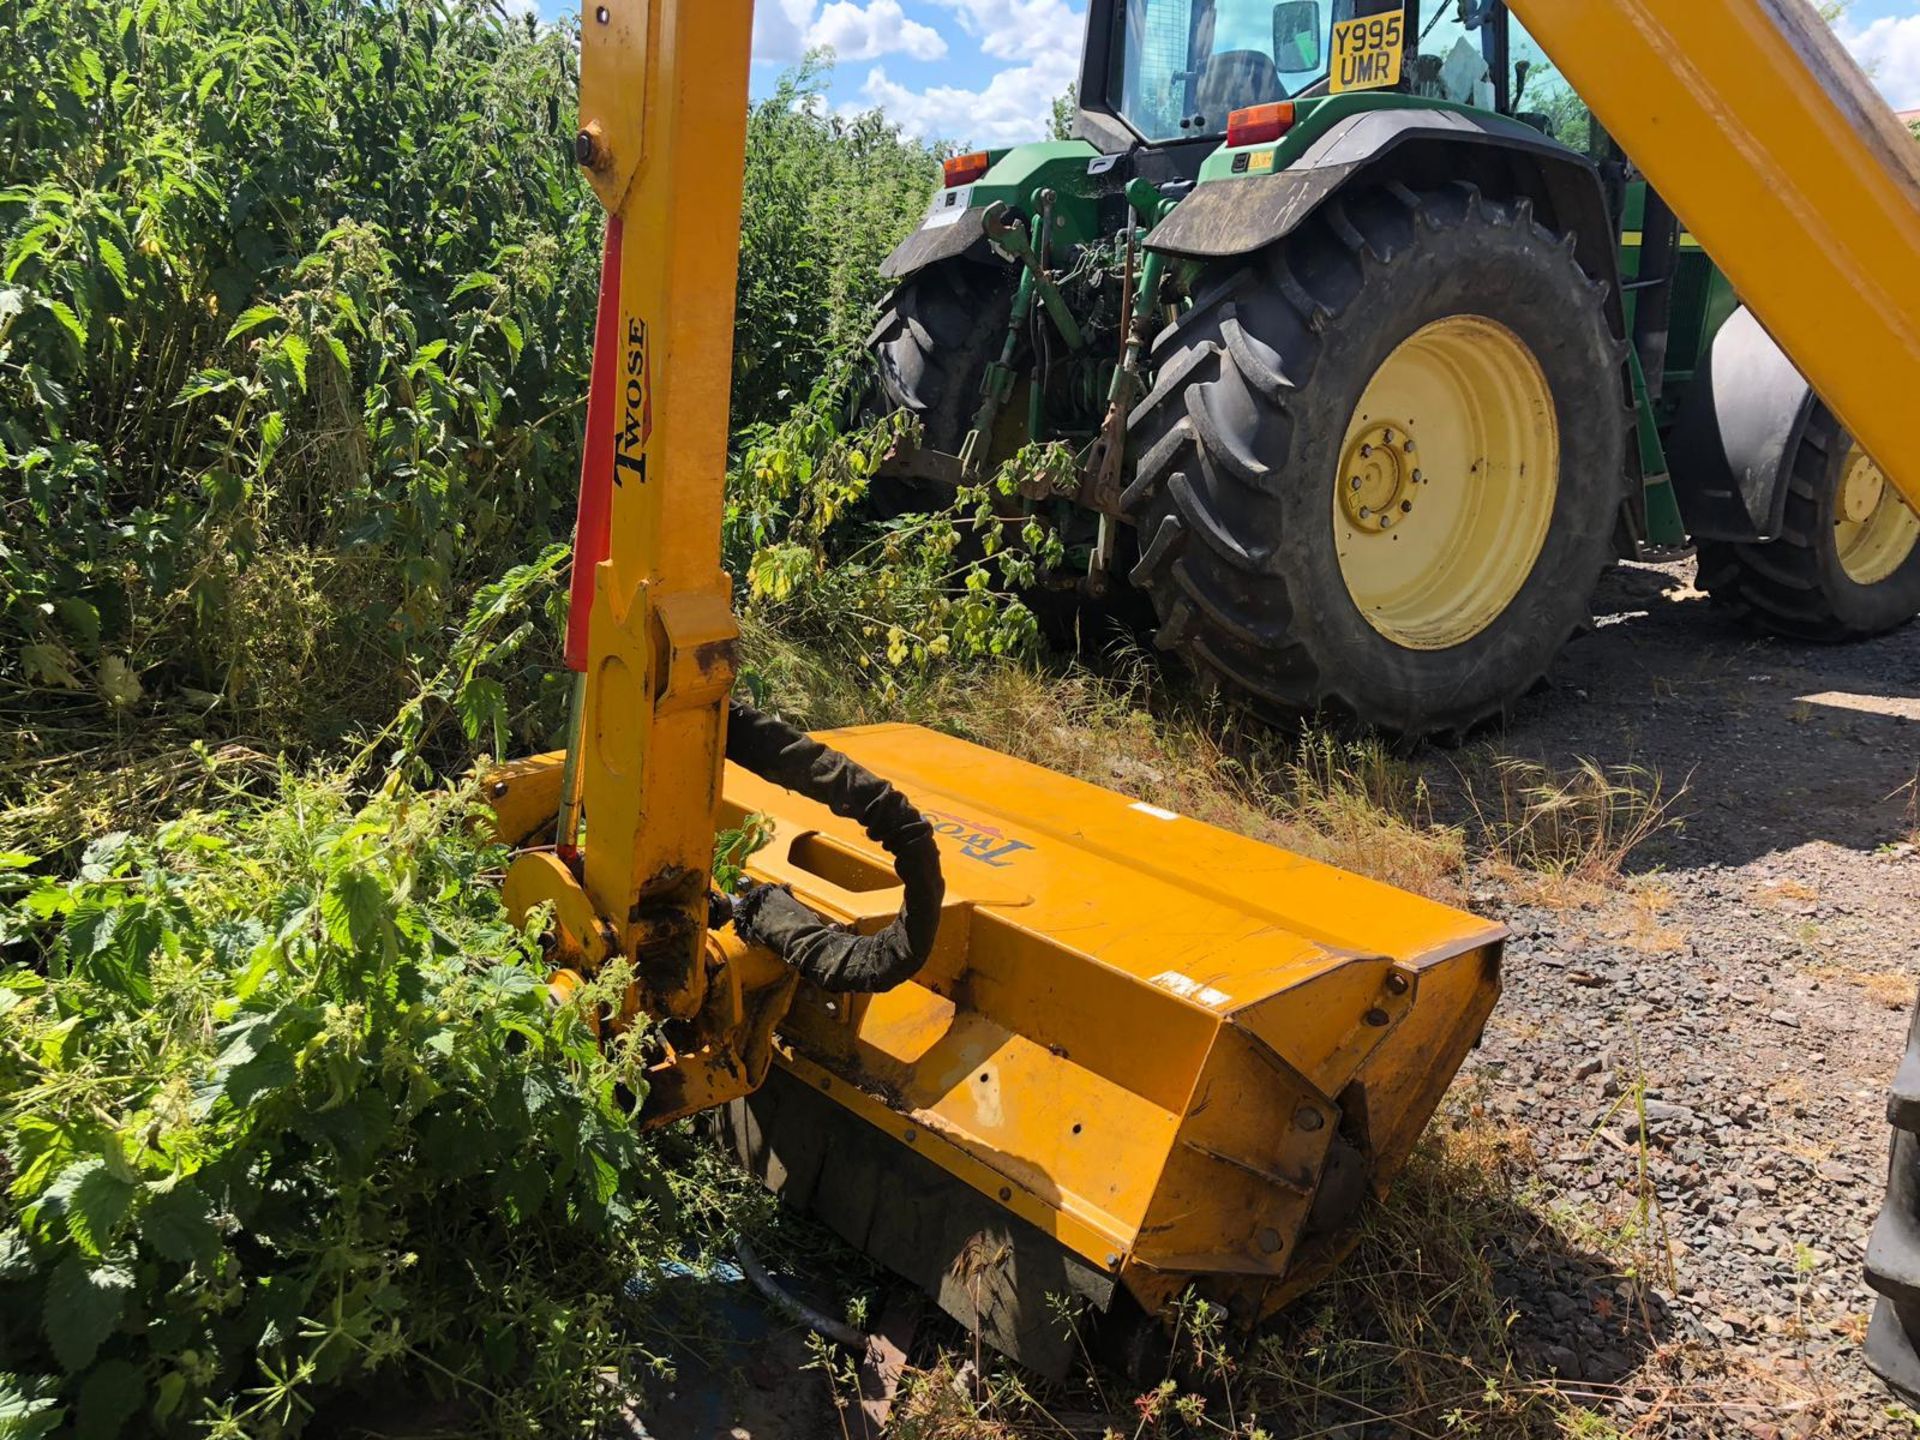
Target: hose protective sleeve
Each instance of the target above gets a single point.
(828, 955)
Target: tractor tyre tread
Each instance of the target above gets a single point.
(935, 336)
(1216, 495)
(1794, 586)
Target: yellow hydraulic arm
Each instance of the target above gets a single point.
(662, 135)
(1772, 146)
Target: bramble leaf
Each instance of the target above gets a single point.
(178, 1225)
(84, 1303)
(111, 1393)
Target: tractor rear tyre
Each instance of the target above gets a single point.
(937, 333)
(1846, 565)
(1380, 472)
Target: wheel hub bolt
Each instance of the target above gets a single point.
(1406, 507)
(1365, 513)
(1356, 482)
(1386, 521)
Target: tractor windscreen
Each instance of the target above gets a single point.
(1180, 67)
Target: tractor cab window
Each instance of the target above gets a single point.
(1539, 94)
(1456, 51)
(1180, 67)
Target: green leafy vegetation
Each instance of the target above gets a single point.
(825, 199)
(292, 358)
(296, 310)
(886, 598)
(286, 1108)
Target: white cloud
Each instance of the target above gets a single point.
(780, 30)
(1014, 107)
(1889, 50)
(1022, 29)
(880, 27)
(784, 30)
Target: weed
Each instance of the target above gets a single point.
(1911, 790)
(286, 1111)
(1893, 989)
(1787, 892)
(1572, 832)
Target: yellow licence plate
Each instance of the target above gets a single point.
(1367, 52)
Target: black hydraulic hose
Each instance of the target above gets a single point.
(768, 915)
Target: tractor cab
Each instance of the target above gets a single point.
(1177, 70)
(1172, 73)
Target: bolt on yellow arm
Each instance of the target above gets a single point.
(1773, 147)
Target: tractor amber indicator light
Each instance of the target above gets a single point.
(1257, 124)
(965, 169)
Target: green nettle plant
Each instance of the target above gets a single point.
(890, 596)
(296, 310)
(295, 314)
(284, 1109)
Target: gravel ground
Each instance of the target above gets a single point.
(1753, 987)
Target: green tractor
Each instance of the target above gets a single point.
(1374, 353)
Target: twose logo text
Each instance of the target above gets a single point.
(985, 843)
(637, 427)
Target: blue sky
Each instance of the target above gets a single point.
(986, 71)
(1884, 35)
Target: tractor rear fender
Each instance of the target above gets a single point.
(1420, 148)
(947, 233)
(1740, 425)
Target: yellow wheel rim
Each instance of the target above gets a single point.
(1874, 530)
(1447, 482)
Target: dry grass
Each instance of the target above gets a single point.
(1776, 893)
(1348, 802)
(1418, 1335)
(1890, 989)
(299, 654)
(1790, 1089)
(52, 805)
(1640, 921)
(1564, 838)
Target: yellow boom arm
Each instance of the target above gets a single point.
(663, 105)
(1773, 147)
